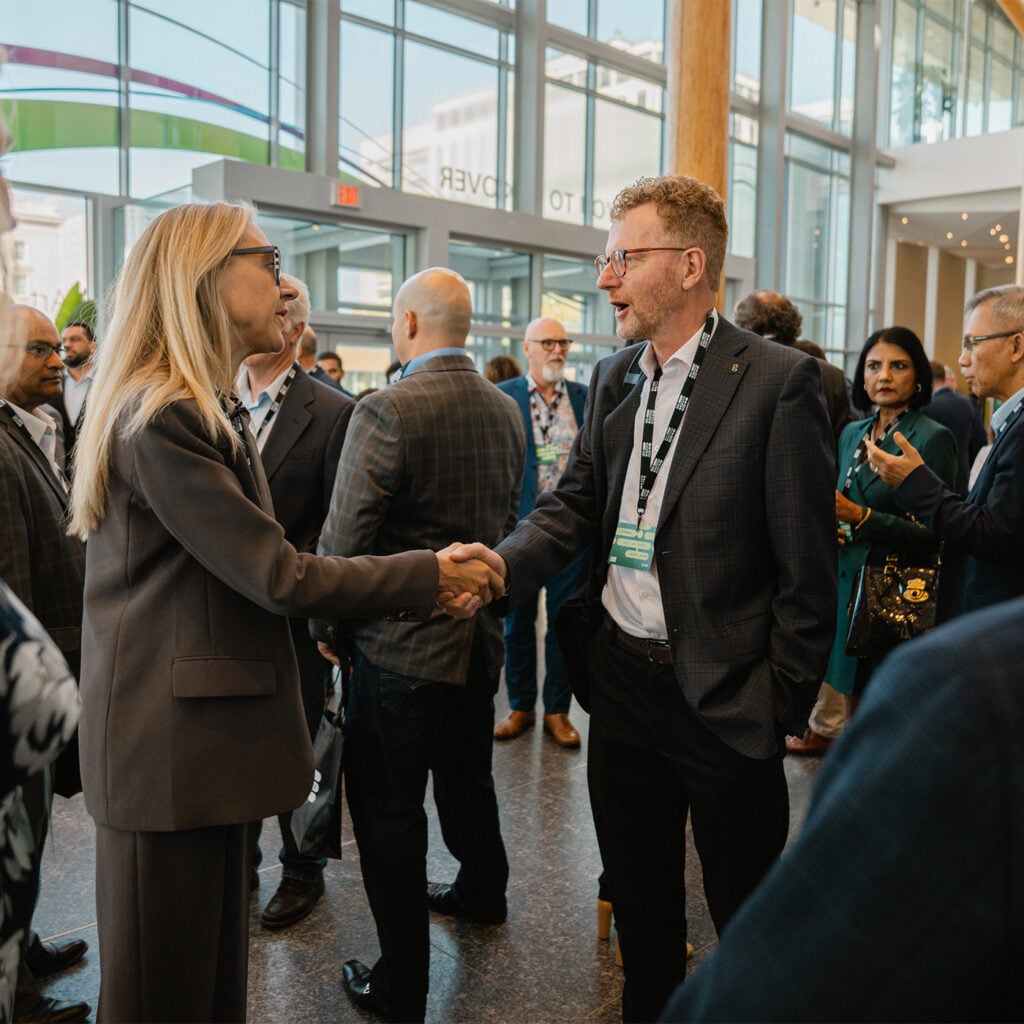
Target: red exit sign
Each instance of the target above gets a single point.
(346, 195)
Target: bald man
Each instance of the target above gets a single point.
(46, 570)
(552, 411)
(434, 458)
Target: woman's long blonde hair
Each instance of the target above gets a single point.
(168, 338)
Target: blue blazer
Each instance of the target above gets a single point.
(518, 389)
(985, 529)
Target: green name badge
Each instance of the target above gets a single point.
(632, 548)
(547, 454)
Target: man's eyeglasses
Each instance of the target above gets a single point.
(971, 341)
(42, 350)
(269, 249)
(617, 257)
(549, 344)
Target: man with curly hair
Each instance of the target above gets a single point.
(702, 482)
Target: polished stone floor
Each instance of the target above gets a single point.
(545, 964)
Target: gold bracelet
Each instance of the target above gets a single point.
(864, 518)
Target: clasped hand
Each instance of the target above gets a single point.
(469, 576)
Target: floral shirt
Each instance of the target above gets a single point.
(39, 708)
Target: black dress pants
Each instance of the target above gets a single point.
(397, 730)
(651, 762)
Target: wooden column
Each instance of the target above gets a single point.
(698, 49)
(697, 98)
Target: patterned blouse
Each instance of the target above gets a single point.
(39, 708)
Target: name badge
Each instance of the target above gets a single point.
(547, 454)
(632, 548)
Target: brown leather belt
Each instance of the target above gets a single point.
(657, 652)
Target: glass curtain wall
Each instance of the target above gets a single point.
(956, 71)
(426, 102)
(591, 106)
(125, 97)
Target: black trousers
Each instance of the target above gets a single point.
(397, 729)
(651, 762)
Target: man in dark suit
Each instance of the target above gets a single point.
(299, 426)
(984, 532)
(330, 363)
(45, 568)
(552, 411)
(774, 317)
(961, 416)
(434, 458)
(907, 872)
(714, 577)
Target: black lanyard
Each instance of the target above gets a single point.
(536, 401)
(276, 404)
(236, 413)
(861, 452)
(649, 468)
(1005, 425)
(23, 427)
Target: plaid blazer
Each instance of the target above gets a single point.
(434, 458)
(38, 560)
(746, 540)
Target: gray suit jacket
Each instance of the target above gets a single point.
(38, 560)
(434, 458)
(190, 699)
(746, 541)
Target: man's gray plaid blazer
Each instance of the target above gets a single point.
(434, 458)
(38, 560)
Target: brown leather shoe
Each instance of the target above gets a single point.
(514, 724)
(561, 730)
(811, 744)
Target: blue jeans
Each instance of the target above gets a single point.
(521, 643)
(397, 729)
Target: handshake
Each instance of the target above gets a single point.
(469, 576)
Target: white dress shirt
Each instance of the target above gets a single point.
(75, 392)
(260, 405)
(42, 428)
(632, 597)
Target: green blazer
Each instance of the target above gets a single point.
(887, 528)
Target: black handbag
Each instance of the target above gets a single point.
(891, 603)
(316, 824)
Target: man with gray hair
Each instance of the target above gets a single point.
(984, 532)
(299, 427)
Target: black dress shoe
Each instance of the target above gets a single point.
(295, 898)
(48, 1009)
(442, 899)
(46, 958)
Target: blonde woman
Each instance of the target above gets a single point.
(192, 724)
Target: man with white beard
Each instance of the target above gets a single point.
(552, 409)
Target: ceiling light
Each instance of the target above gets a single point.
(1004, 238)
(1009, 259)
(999, 227)
(949, 235)
(963, 216)
(904, 220)
(1007, 246)
(991, 231)
(963, 243)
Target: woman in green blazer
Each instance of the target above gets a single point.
(894, 375)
